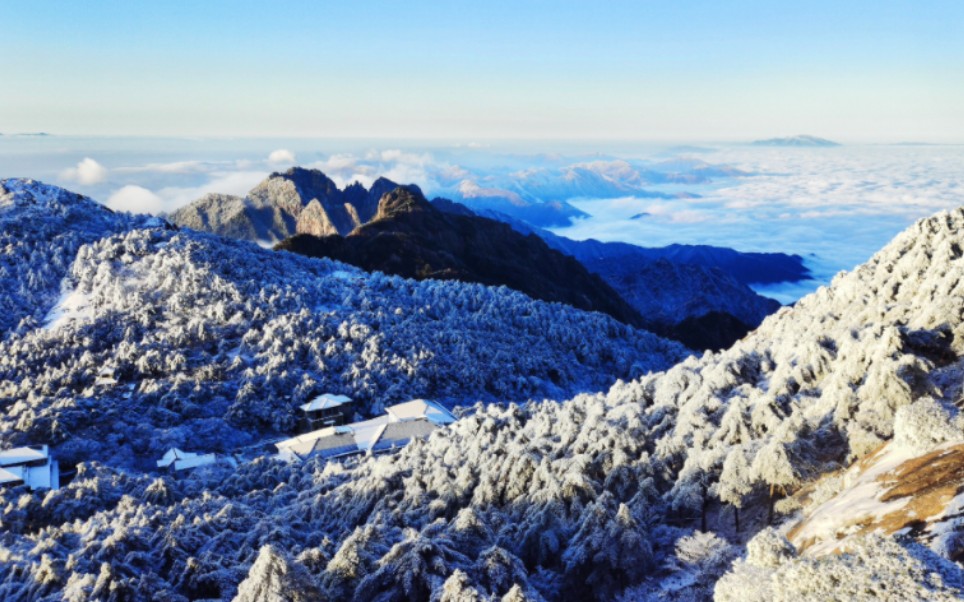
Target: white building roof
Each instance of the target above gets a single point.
(11, 475)
(45, 476)
(420, 408)
(169, 457)
(183, 460)
(22, 455)
(195, 460)
(325, 401)
(401, 423)
(306, 438)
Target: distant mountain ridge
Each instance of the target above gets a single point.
(693, 294)
(540, 196)
(746, 267)
(702, 307)
(297, 201)
(801, 140)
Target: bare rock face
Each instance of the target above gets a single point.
(314, 220)
(298, 201)
(219, 213)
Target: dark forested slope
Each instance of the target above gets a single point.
(409, 237)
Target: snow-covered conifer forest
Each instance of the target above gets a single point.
(591, 461)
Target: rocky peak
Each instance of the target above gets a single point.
(314, 220)
(310, 183)
(296, 201)
(402, 200)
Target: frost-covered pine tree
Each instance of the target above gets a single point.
(772, 466)
(736, 481)
(275, 578)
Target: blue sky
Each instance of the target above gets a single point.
(855, 71)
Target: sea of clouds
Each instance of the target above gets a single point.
(834, 206)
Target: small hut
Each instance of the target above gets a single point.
(328, 410)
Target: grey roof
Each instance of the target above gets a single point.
(397, 434)
(336, 445)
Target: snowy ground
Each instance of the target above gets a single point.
(72, 306)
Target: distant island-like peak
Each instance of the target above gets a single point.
(801, 140)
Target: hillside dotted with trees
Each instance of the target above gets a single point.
(678, 482)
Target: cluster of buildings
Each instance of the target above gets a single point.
(332, 435)
(337, 438)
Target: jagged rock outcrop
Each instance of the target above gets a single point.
(294, 202)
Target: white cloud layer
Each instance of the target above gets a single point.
(136, 199)
(282, 156)
(174, 167)
(224, 182)
(86, 172)
(396, 165)
(840, 204)
(836, 207)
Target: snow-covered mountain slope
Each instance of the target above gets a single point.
(682, 302)
(594, 498)
(670, 294)
(213, 342)
(41, 229)
(744, 267)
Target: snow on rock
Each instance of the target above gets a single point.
(827, 526)
(873, 568)
(895, 490)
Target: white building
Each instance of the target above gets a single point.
(401, 423)
(177, 460)
(420, 408)
(328, 410)
(29, 466)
